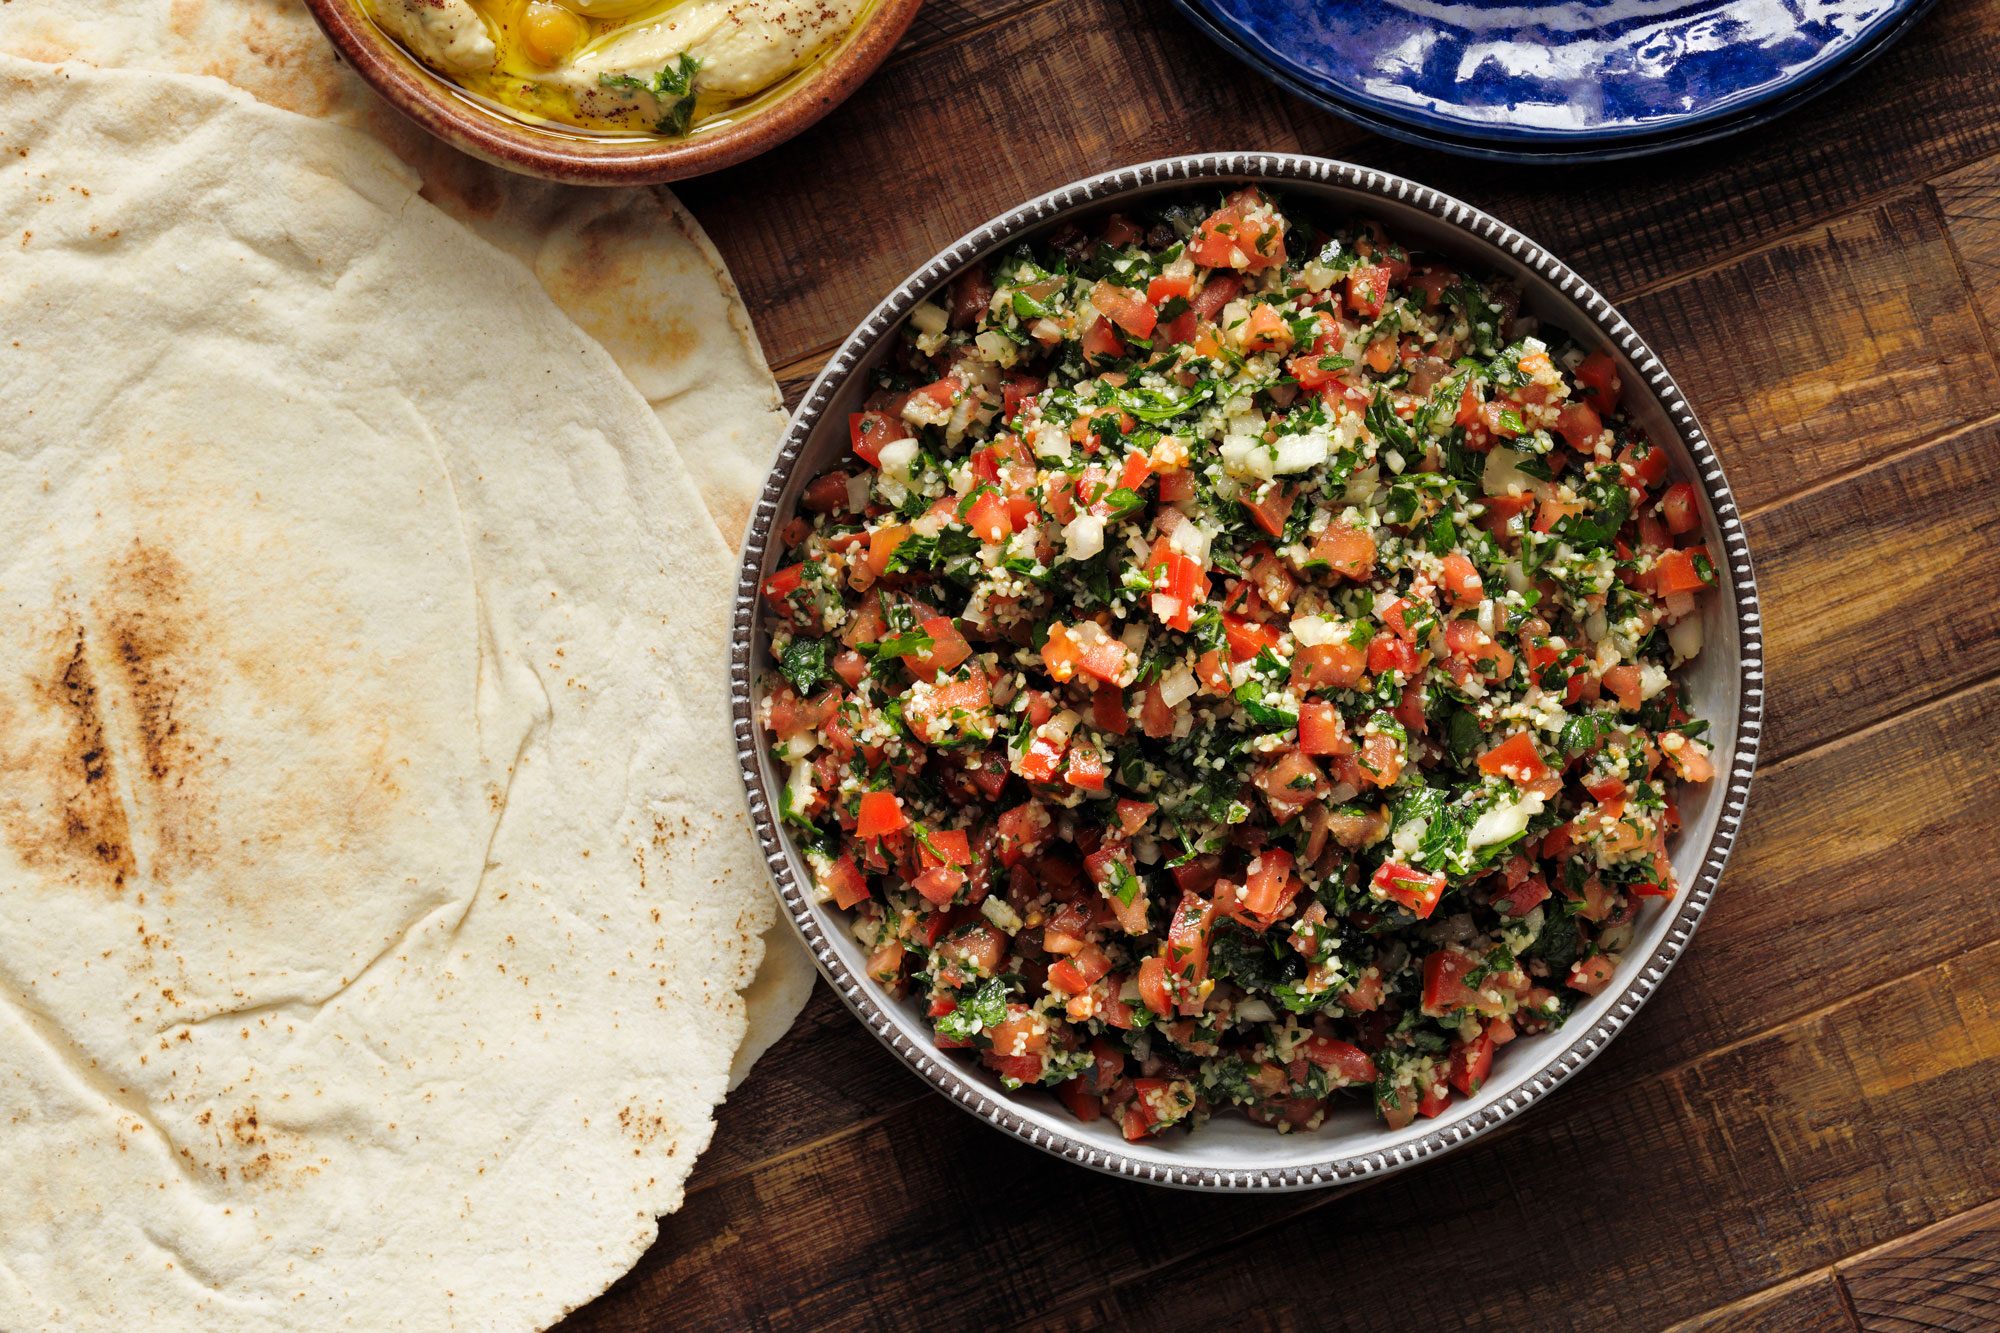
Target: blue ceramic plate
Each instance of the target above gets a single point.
(1586, 77)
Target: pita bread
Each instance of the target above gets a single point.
(631, 267)
(372, 916)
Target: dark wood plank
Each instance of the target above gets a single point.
(1812, 915)
(1810, 1305)
(1969, 199)
(1872, 589)
(1945, 1278)
(941, 20)
(1828, 350)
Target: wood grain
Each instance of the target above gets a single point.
(1812, 1304)
(1969, 200)
(1947, 1277)
(1828, 350)
(1893, 553)
(941, 20)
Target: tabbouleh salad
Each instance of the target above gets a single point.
(1233, 669)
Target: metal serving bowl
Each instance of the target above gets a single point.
(1725, 684)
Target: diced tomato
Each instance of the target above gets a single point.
(1107, 711)
(1179, 585)
(1164, 289)
(1471, 1062)
(1649, 465)
(1084, 648)
(844, 881)
(1445, 987)
(1579, 425)
(1132, 815)
(1101, 341)
(940, 884)
(1396, 615)
(868, 431)
(947, 649)
(1590, 975)
(1388, 652)
(1436, 1098)
(1153, 986)
(1680, 509)
(1399, 1109)
(1247, 638)
(1381, 761)
(1245, 233)
(1338, 665)
(1265, 331)
(1081, 1101)
(1523, 898)
(1176, 487)
(1624, 681)
(953, 704)
(1476, 652)
(882, 545)
(971, 296)
(881, 813)
(976, 945)
(1125, 308)
(1346, 551)
(1217, 292)
(885, 962)
(989, 518)
(1267, 890)
(1187, 950)
(1270, 506)
(1418, 890)
(1086, 768)
(1322, 730)
(1515, 758)
(1368, 289)
(1156, 718)
(1462, 582)
(781, 585)
(1022, 831)
(1598, 383)
(946, 847)
(1677, 572)
(1345, 1059)
(850, 666)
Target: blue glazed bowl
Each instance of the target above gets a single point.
(1574, 81)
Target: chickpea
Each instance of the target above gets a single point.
(550, 32)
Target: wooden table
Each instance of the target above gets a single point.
(1802, 1130)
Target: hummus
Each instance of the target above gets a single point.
(620, 64)
(447, 35)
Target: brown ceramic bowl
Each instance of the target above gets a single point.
(557, 153)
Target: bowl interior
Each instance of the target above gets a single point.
(1721, 685)
(564, 153)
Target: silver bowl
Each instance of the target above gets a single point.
(1725, 684)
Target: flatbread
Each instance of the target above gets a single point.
(630, 266)
(371, 914)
